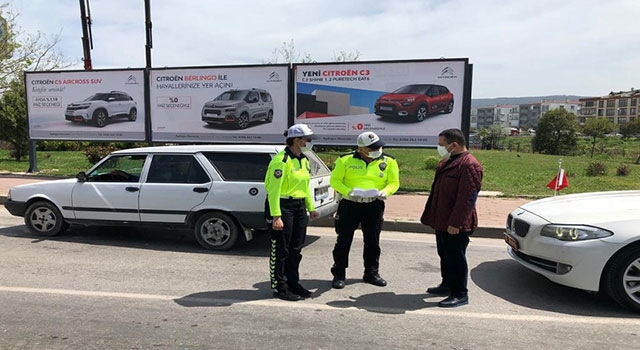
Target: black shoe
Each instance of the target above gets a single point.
(300, 290)
(439, 290)
(286, 294)
(374, 279)
(454, 301)
(337, 283)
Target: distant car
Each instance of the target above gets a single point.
(239, 108)
(216, 190)
(102, 107)
(415, 102)
(589, 241)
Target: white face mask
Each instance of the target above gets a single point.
(307, 148)
(375, 154)
(442, 150)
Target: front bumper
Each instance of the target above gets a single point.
(15, 208)
(549, 256)
(393, 110)
(77, 116)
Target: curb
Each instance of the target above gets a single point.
(417, 227)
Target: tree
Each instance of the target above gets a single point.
(287, 53)
(13, 119)
(21, 52)
(597, 128)
(556, 132)
(632, 129)
(491, 137)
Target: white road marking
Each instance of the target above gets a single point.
(436, 312)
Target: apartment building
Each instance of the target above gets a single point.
(619, 107)
(530, 113)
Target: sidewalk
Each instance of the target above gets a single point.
(402, 211)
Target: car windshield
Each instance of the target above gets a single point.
(231, 96)
(97, 97)
(413, 89)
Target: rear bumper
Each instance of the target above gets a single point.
(15, 208)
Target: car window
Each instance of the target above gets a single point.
(265, 97)
(433, 91)
(235, 166)
(443, 90)
(252, 97)
(118, 169)
(176, 168)
(318, 168)
(231, 96)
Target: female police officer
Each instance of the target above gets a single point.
(288, 199)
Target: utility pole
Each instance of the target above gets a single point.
(87, 40)
(147, 21)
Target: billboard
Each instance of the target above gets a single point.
(219, 104)
(406, 103)
(86, 105)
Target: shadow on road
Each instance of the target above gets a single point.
(516, 284)
(385, 302)
(159, 239)
(262, 291)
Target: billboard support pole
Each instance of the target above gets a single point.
(147, 71)
(33, 161)
(86, 35)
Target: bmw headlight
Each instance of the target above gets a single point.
(574, 232)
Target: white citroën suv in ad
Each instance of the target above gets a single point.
(216, 190)
(102, 107)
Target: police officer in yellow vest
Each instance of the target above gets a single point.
(288, 199)
(364, 179)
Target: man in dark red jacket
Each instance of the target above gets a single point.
(451, 212)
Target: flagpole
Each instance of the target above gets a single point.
(558, 178)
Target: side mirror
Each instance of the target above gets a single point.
(81, 176)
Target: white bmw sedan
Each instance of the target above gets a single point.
(589, 241)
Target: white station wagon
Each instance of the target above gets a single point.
(217, 190)
(589, 241)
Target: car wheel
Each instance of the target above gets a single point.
(422, 112)
(622, 278)
(269, 117)
(44, 219)
(449, 107)
(216, 231)
(133, 114)
(100, 118)
(243, 120)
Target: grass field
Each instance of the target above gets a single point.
(510, 172)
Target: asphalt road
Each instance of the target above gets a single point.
(101, 288)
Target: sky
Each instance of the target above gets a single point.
(517, 47)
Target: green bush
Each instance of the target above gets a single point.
(96, 152)
(596, 169)
(623, 170)
(431, 162)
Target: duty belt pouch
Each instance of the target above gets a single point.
(267, 212)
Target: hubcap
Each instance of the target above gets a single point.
(134, 115)
(101, 119)
(43, 219)
(243, 122)
(422, 112)
(631, 280)
(215, 231)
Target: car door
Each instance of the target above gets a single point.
(111, 190)
(254, 104)
(175, 184)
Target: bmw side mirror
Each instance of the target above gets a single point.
(82, 177)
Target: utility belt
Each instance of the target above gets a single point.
(290, 199)
(362, 200)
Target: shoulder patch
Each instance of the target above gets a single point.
(277, 173)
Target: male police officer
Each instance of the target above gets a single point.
(364, 179)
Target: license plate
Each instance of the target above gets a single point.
(321, 193)
(511, 242)
(384, 108)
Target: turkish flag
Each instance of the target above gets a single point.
(559, 182)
